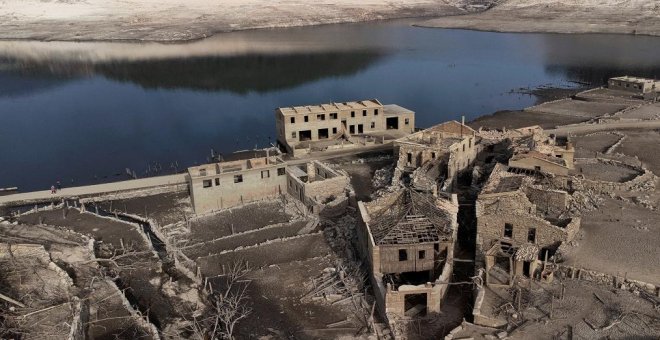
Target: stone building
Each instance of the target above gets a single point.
(237, 181)
(521, 221)
(540, 152)
(300, 127)
(408, 239)
(634, 84)
(226, 184)
(316, 185)
(436, 155)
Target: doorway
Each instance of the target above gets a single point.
(415, 305)
(392, 123)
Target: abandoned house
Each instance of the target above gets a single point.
(634, 84)
(317, 186)
(436, 155)
(408, 239)
(540, 152)
(226, 184)
(521, 221)
(299, 127)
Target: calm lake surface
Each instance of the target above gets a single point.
(82, 113)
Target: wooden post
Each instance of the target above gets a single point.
(552, 304)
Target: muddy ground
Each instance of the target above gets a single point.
(277, 307)
(234, 241)
(519, 119)
(584, 305)
(361, 169)
(560, 16)
(109, 317)
(140, 273)
(620, 237)
(237, 220)
(164, 208)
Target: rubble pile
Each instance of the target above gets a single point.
(585, 200)
(336, 284)
(382, 180)
(340, 234)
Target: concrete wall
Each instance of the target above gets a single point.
(228, 193)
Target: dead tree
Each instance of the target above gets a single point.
(228, 304)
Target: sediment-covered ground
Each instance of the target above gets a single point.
(171, 20)
(175, 20)
(562, 16)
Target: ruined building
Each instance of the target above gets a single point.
(640, 86)
(226, 184)
(436, 155)
(521, 220)
(335, 125)
(316, 185)
(543, 153)
(408, 239)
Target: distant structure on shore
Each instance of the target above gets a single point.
(641, 86)
(334, 126)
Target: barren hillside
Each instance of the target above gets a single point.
(166, 20)
(562, 16)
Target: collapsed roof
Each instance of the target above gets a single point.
(413, 217)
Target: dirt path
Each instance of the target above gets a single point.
(586, 128)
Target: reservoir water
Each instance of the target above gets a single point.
(82, 113)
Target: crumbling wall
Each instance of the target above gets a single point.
(619, 282)
(547, 200)
(509, 202)
(644, 182)
(490, 228)
(533, 163)
(483, 319)
(321, 190)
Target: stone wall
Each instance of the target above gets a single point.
(549, 201)
(532, 163)
(619, 282)
(490, 228)
(644, 182)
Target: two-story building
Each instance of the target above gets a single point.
(226, 184)
(408, 238)
(301, 126)
(437, 154)
(520, 223)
